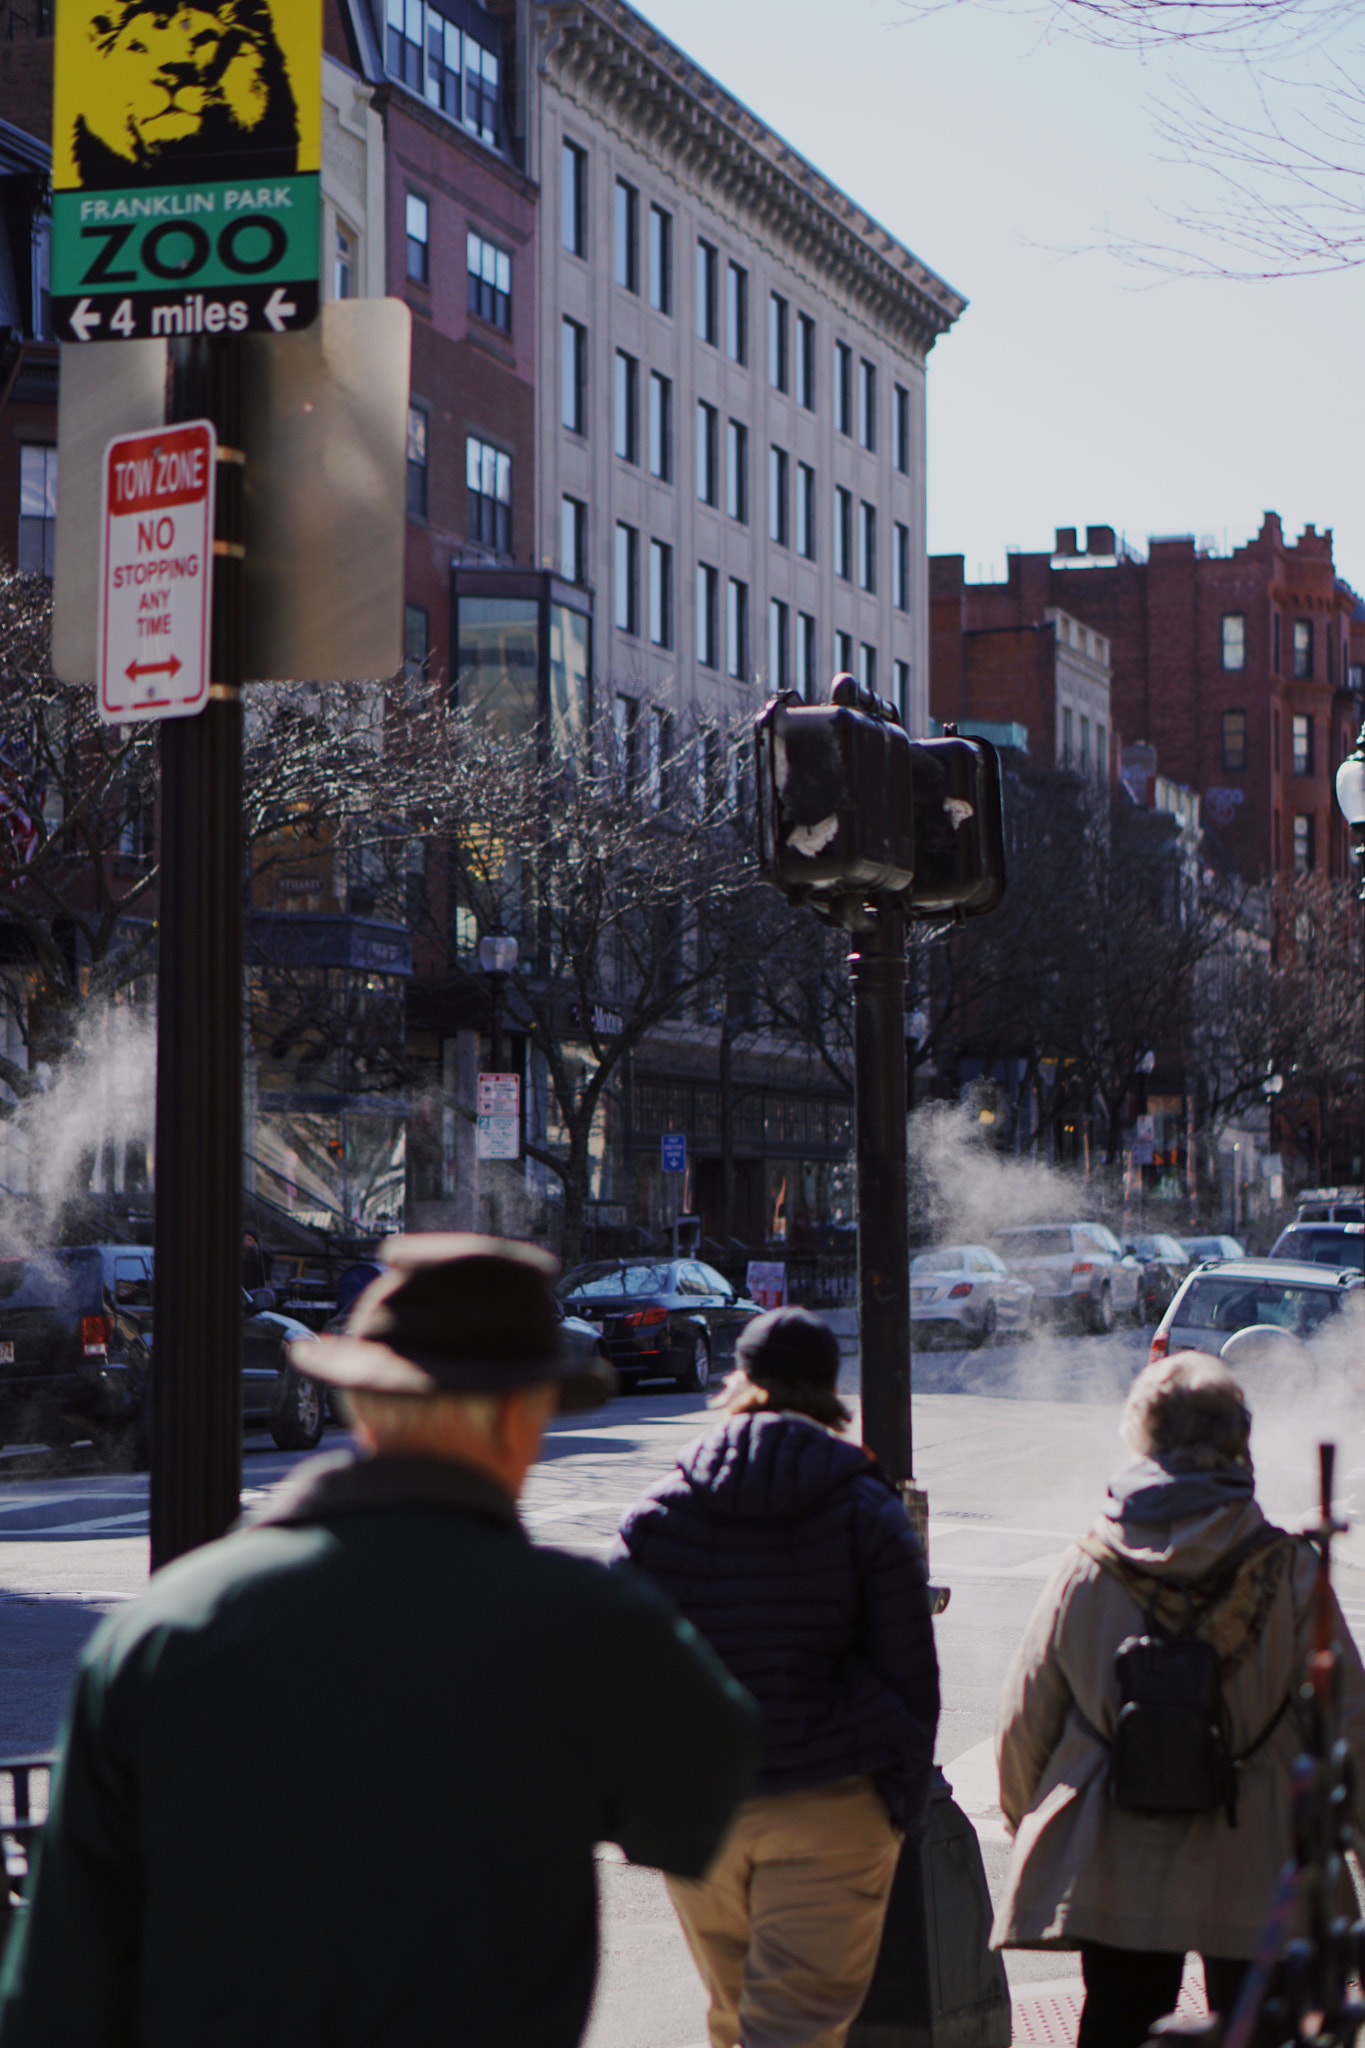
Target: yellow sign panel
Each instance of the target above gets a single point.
(152, 94)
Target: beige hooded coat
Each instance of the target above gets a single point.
(1086, 1870)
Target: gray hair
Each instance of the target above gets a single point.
(1189, 1403)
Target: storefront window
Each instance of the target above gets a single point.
(497, 664)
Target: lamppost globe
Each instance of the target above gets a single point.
(1351, 786)
(497, 953)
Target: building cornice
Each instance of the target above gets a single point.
(604, 54)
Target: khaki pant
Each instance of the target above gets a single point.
(786, 1923)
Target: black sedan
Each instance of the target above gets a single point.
(672, 1319)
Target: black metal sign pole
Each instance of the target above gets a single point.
(196, 1437)
(877, 970)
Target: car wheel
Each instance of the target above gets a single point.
(695, 1377)
(1102, 1312)
(298, 1424)
(986, 1334)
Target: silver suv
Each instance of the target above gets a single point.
(1074, 1269)
(1228, 1295)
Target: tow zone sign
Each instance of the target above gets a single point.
(156, 573)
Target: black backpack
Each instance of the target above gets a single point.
(1172, 1749)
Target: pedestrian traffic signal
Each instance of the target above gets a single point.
(851, 808)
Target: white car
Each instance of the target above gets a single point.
(1220, 1304)
(966, 1290)
(1075, 1269)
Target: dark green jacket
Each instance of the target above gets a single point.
(337, 1780)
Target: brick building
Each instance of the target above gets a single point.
(1242, 671)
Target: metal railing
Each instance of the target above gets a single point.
(25, 1788)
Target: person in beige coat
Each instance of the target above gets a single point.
(1135, 1891)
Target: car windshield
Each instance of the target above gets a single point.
(1042, 1244)
(1224, 1302)
(937, 1262)
(614, 1279)
(1324, 1247)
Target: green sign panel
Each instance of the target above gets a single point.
(186, 158)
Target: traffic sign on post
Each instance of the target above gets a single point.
(497, 1127)
(186, 151)
(673, 1152)
(156, 573)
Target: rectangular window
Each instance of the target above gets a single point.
(481, 93)
(417, 463)
(490, 282)
(737, 471)
(1303, 745)
(1234, 640)
(627, 236)
(1275, 637)
(737, 313)
(625, 725)
(1304, 851)
(902, 673)
(708, 293)
(573, 200)
(807, 676)
(867, 547)
(737, 628)
(1234, 742)
(626, 580)
(627, 407)
(1275, 839)
(343, 264)
(867, 403)
(708, 586)
(867, 666)
(708, 454)
(1085, 743)
(778, 510)
(660, 260)
(843, 654)
(779, 649)
(419, 239)
(416, 641)
(900, 567)
(778, 366)
(573, 540)
(488, 474)
(805, 511)
(1275, 741)
(658, 753)
(843, 533)
(661, 593)
(805, 361)
(843, 387)
(1102, 753)
(573, 386)
(1303, 649)
(38, 510)
(661, 427)
(1067, 744)
(902, 429)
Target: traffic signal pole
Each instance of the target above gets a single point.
(877, 971)
(196, 1432)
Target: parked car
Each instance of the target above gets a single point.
(1164, 1262)
(966, 1291)
(1220, 1246)
(660, 1318)
(1330, 1205)
(1323, 1244)
(76, 1351)
(1216, 1302)
(1077, 1270)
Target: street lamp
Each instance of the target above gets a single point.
(1351, 800)
(497, 957)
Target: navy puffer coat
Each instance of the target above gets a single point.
(789, 1552)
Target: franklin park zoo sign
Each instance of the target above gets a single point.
(186, 152)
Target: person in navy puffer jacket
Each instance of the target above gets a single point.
(786, 1548)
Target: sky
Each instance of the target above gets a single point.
(1076, 389)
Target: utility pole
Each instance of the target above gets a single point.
(196, 1433)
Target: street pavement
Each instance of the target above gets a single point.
(1014, 1445)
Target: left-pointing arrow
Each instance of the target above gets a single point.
(153, 668)
(84, 319)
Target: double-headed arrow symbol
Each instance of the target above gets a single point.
(153, 668)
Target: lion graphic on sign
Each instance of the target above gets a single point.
(189, 92)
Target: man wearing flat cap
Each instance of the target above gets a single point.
(336, 1781)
